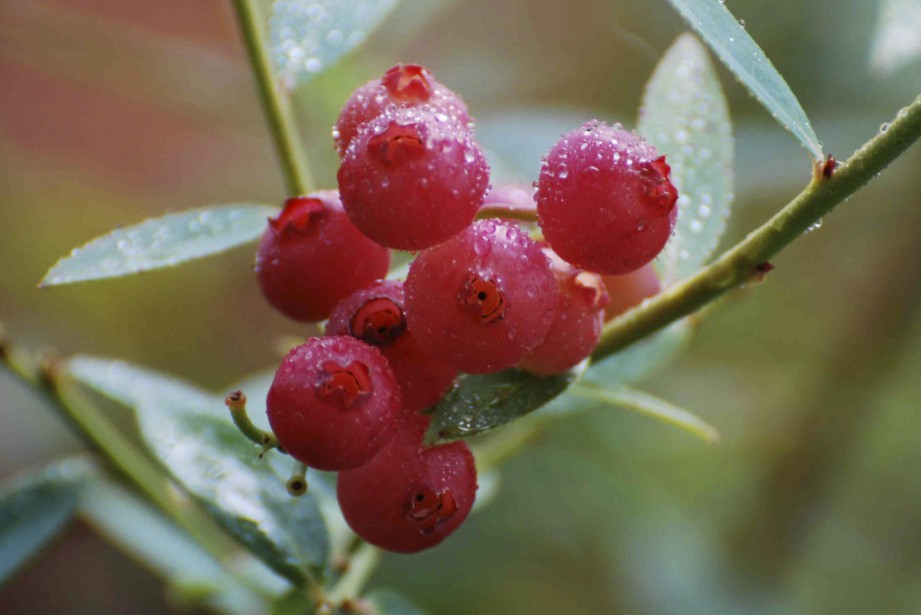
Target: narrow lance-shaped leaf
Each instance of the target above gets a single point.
(164, 549)
(684, 114)
(128, 384)
(34, 508)
(307, 36)
(649, 405)
(210, 458)
(162, 242)
(481, 402)
(190, 431)
(742, 55)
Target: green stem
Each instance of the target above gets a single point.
(276, 106)
(739, 264)
(361, 566)
(236, 403)
(100, 435)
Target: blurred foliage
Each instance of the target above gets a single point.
(114, 112)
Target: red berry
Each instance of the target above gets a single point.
(334, 403)
(409, 498)
(630, 289)
(577, 326)
(411, 180)
(604, 199)
(311, 257)
(375, 315)
(408, 85)
(482, 300)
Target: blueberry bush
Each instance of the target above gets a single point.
(457, 289)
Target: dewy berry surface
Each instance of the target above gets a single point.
(408, 85)
(409, 498)
(483, 299)
(334, 403)
(604, 199)
(376, 316)
(581, 299)
(412, 178)
(311, 257)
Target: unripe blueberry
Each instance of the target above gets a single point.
(412, 179)
(407, 85)
(576, 328)
(604, 199)
(334, 403)
(376, 316)
(409, 498)
(483, 299)
(311, 257)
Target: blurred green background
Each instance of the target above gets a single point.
(114, 111)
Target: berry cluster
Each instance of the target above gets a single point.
(480, 296)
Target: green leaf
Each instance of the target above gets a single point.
(156, 543)
(34, 508)
(684, 114)
(742, 55)
(307, 36)
(388, 602)
(641, 358)
(130, 384)
(191, 432)
(481, 402)
(897, 41)
(162, 242)
(649, 405)
(213, 461)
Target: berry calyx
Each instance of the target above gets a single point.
(333, 403)
(311, 257)
(408, 83)
(404, 85)
(412, 178)
(376, 316)
(409, 498)
(604, 199)
(483, 299)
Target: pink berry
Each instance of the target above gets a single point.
(334, 403)
(579, 318)
(411, 180)
(630, 289)
(407, 85)
(409, 498)
(604, 199)
(375, 315)
(311, 257)
(482, 300)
